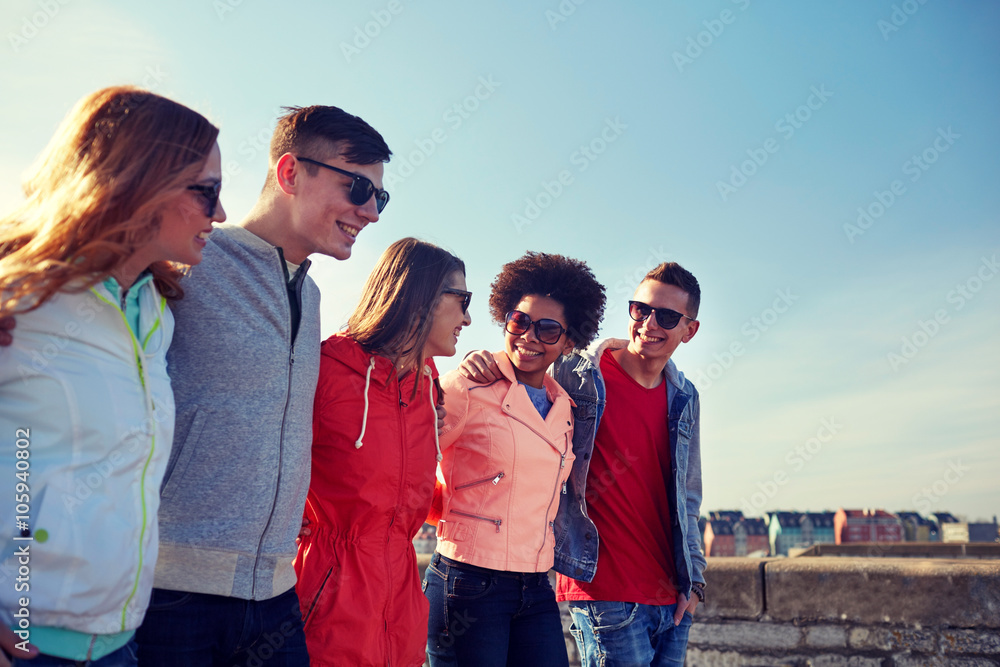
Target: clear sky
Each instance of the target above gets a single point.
(825, 169)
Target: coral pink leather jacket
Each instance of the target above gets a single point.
(502, 472)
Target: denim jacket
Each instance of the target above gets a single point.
(576, 536)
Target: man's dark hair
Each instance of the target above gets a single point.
(323, 132)
(567, 281)
(672, 273)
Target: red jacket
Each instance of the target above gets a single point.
(357, 573)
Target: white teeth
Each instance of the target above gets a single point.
(203, 235)
(350, 231)
(647, 339)
(528, 353)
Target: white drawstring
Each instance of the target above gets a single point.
(437, 438)
(364, 418)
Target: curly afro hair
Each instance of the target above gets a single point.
(568, 281)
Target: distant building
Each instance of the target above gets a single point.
(719, 540)
(797, 530)
(918, 529)
(850, 526)
(970, 532)
(750, 538)
(729, 533)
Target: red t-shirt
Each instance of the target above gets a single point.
(627, 496)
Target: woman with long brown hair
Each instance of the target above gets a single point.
(124, 194)
(374, 456)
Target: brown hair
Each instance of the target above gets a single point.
(394, 315)
(322, 132)
(96, 193)
(672, 273)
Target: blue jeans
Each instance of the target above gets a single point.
(489, 618)
(626, 634)
(123, 657)
(198, 630)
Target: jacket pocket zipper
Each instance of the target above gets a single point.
(495, 522)
(316, 597)
(495, 479)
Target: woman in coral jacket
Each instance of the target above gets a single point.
(374, 455)
(507, 452)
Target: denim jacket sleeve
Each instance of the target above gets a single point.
(694, 493)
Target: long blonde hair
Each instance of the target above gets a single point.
(96, 193)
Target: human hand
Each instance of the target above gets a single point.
(304, 531)
(684, 604)
(480, 367)
(9, 642)
(7, 324)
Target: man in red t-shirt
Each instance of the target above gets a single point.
(643, 487)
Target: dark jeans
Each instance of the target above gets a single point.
(123, 657)
(197, 630)
(488, 618)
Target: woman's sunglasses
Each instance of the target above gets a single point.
(666, 318)
(362, 188)
(547, 331)
(466, 297)
(210, 193)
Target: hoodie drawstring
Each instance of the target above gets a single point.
(437, 439)
(364, 418)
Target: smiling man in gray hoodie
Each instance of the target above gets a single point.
(244, 364)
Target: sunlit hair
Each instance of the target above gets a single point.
(672, 273)
(97, 193)
(395, 313)
(323, 133)
(570, 282)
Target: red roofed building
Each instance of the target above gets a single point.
(850, 526)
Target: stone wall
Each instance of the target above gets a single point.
(848, 611)
(857, 612)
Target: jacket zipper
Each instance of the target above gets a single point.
(555, 493)
(495, 522)
(284, 419)
(495, 479)
(392, 519)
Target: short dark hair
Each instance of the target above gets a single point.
(568, 281)
(672, 273)
(322, 132)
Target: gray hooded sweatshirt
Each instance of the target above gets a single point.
(236, 482)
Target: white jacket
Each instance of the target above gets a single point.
(92, 406)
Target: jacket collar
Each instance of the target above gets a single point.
(251, 241)
(590, 359)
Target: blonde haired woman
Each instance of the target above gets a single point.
(127, 189)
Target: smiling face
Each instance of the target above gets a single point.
(324, 219)
(531, 357)
(647, 339)
(183, 228)
(448, 320)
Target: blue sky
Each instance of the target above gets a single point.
(842, 362)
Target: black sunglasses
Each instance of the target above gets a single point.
(362, 188)
(466, 297)
(666, 318)
(210, 193)
(547, 331)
